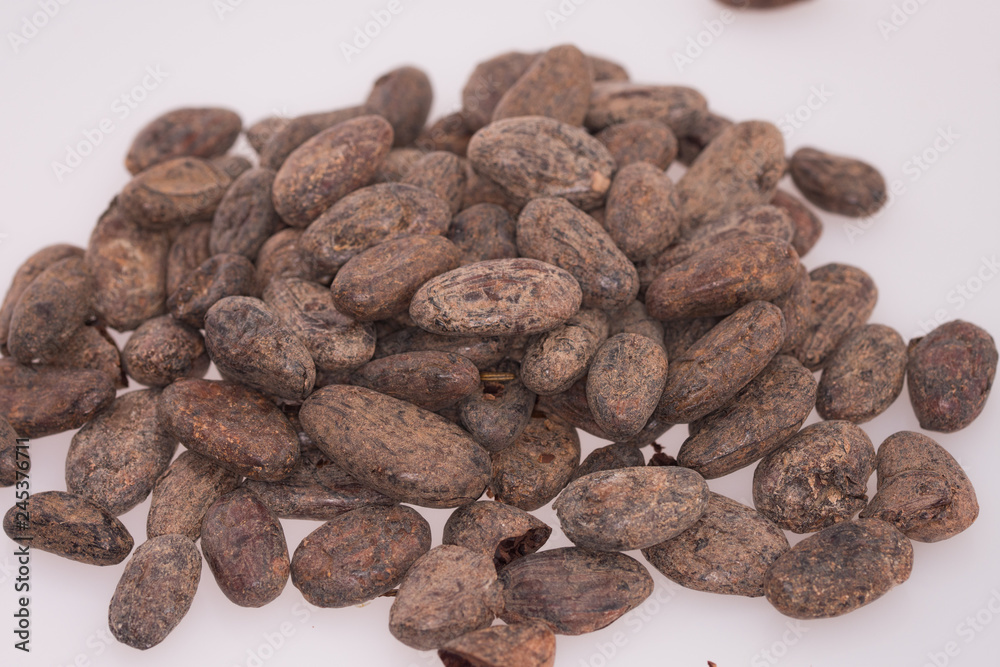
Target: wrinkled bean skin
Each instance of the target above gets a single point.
(521, 645)
(839, 569)
(380, 282)
(43, 400)
(448, 592)
(442, 174)
(502, 532)
(699, 132)
(51, 310)
(359, 555)
(863, 376)
(535, 468)
(261, 132)
(249, 343)
(183, 494)
(205, 133)
(554, 360)
(640, 141)
(128, 265)
(554, 231)
(838, 184)
(335, 341)
(316, 489)
(246, 217)
(8, 454)
(722, 362)
(483, 351)
(236, 427)
(922, 490)
(496, 413)
(32, 267)
(70, 526)
(631, 508)
(482, 232)
(762, 416)
(571, 590)
(297, 131)
(218, 277)
(816, 478)
(281, 256)
(739, 168)
(155, 591)
(116, 459)
(328, 166)
(571, 406)
(614, 102)
(188, 251)
(174, 193)
(91, 347)
(557, 85)
(502, 297)
(624, 384)
(163, 350)
(808, 226)
(796, 306)
(760, 220)
(724, 277)
(448, 133)
(728, 550)
(395, 447)
(488, 83)
(430, 380)
(533, 157)
(843, 298)
(403, 97)
(397, 164)
(369, 216)
(245, 548)
(610, 457)
(949, 374)
(643, 215)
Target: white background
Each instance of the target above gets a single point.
(891, 95)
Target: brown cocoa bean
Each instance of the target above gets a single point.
(395, 447)
(631, 508)
(818, 477)
(116, 459)
(863, 376)
(70, 526)
(245, 548)
(728, 550)
(360, 555)
(234, 426)
(762, 416)
(839, 569)
(949, 374)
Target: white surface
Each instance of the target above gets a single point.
(890, 98)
